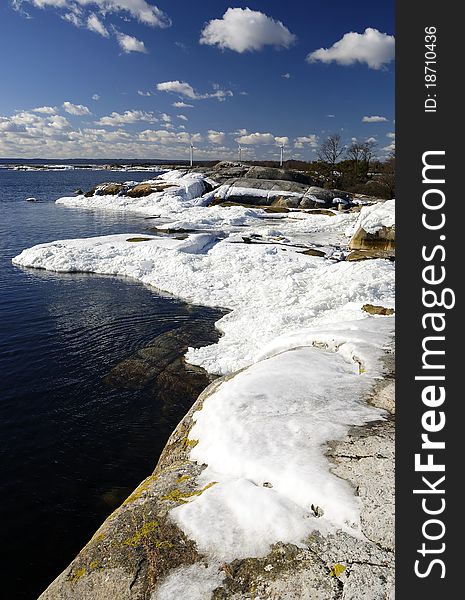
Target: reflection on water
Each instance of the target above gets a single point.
(73, 442)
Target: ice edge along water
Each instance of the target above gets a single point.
(294, 320)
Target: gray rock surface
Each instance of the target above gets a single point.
(137, 548)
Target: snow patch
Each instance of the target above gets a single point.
(195, 582)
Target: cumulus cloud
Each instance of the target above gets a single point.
(243, 30)
(95, 97)
(371, 140)
(216, 137)
(371, 47)
(182, 117)
(286, 76)
(374, 119)
(161, 136)
(128, 43)
(129, 116)
(310, 140)
(391, 135)
(28, 127)
(185, 89)
(182, 105)
(78, 110)
(45, 110)
(178, 87)
(282, 140)
(137, 9)
(253, 139)
(96, 25)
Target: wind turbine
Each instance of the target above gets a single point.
(191, 154)
(281, 147)
(240, 152)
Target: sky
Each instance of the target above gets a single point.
(147, 78)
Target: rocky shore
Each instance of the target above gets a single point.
(278, 483)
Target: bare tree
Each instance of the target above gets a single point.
(361, 153)
(329, 152)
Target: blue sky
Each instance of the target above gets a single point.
(100, 78)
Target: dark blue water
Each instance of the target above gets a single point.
(72, 447)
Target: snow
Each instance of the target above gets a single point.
(269, 289)
(193, 582)
(373, 218)
(294, 324)
(269, 424)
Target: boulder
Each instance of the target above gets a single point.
(263, 192)
(145, 189)
(107, 189)
(384, 239)
(279, 174)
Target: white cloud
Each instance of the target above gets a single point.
(141, 93)
(391, 135)
(129, 116)
(182, 105)
(371, 47)
(78, 110)
(390, 148)
(185, 89)
(178, 87)
(286, 76)
(374, 119)
(161, 136)
(310, 140)
(128, 43)
(182, 117)
(331, 116)
(256, 138)
(371, 140)
(96, 25)
(137, 9)
(45, 110)
(282, 140)
(216, 137)
(165, 118)
(95, 97)
(73, 18)
(242, 30)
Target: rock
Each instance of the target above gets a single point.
(320, 211)
(279, 174)
(357, 255)
(280, 188)
(139, 239)
(139, 548)
(384, 239)
(225, 170)
(326, 195)
(313, 252)
(161, 365)
(107, 189)
(145, 189)
(371, 309)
